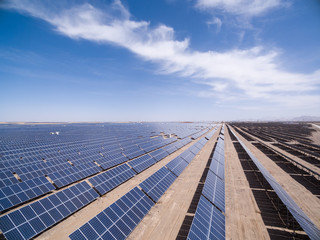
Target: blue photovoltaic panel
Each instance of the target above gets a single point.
(23, 191)
(27, 172)
(208, 223)
(112, 178)
(177, 165)
(31, 220)
(217, 164)
(222, 130)
(182, 142)
(187, 155)
(187, 140)
(73, 174)
(195, 149)
(158, 183)
(170, 148)
(133, 152)
(217, 168)
(210, 134)
(196, 135)
(179, 144)
(153, 144)
(117, 221)
(203, 141)
(197, 146)
(159, 154)
(141, 163)
(220, 144)
(305, 222)
(148, 147)
(111, 160)
(7, 178)
(214, 190)
(219, 156)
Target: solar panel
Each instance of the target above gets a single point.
(112, 178)
(159, 154)
(222, 130)
(158, 183)
(118, 220)
(177, 165)
(217, 168)
(32, 219)
(141, 163)
(185, 141)
(217, 163)
(170, 148)
(7, 178)
(133, 152)
(187, 155)
(179, 144)
(197, 146)
(111, 160)
(73, 174)
(210, 134)
(24, 191)
(196, 135)
(40, 169)
(214, 190)
(218, 154)
(208, 222)
(195, 149)
(150, 145)
(203, 141)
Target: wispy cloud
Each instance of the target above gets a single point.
(247, 8)
(253, 73)
(215, 21)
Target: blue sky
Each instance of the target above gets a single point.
(159, 60)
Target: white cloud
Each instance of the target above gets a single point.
(241, 7)
(252, 73)
(216, 21)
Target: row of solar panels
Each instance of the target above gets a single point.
(105, 159)
(305, 222)
(76, 143)
(51, 153)
(119, 219)
(17, 139)
(34, 218)
(55, 171)
(20, 192)
(198, 134)
(63, 168)
(209, 220)
(44, 168)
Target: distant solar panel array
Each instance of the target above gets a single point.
(61, 161)
(209, 220)
(118, 220)
(68, 157)
(305, 222)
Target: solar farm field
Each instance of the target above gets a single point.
(160, 181)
